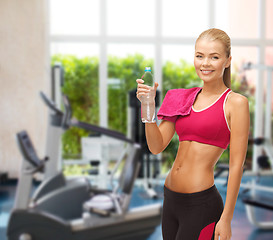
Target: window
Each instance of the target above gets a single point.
(74, 17)
(163, 30)
(269, 55)
(222, 15)
(130, 18)
(174, 53)
(80, 50)
(126, 63)
(160, 30)
(269, 19)
(184, 18)
(240, 57)
(242, 23)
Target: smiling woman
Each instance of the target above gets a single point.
(193, 208)
(212, 57)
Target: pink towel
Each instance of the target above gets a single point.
(177, 102)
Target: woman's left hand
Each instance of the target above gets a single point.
(223, 230)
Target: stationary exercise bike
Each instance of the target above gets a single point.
(73, 209)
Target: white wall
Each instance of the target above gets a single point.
(24, 71)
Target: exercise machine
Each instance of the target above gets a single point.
(75, 211)
(100, 152)
(97, 149)
(3, 177)
(60, 121)
(56, 122)
(262, 141)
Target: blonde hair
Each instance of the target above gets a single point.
(217, 34)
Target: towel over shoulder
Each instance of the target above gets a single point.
(177, 102)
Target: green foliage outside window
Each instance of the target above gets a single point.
(82, 88)
(125, 71)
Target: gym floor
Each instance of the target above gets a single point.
(242, 229)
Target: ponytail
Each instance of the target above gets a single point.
(227, 77)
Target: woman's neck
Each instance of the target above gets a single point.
(213, 89)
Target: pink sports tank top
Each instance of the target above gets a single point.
(208, 125)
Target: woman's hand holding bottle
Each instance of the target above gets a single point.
(146, 95)
(144, 90)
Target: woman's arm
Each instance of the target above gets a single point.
(239, 125)
(158, 137)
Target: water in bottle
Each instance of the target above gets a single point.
(148, 101)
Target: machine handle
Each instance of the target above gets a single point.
(50, 104)
(111, 133)
(29, 153)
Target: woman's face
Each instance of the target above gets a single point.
(210, 60)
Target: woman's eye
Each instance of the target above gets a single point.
(215, 57)
(198, 56)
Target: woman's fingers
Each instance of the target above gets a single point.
(141, 85)
(143, 90)
(216, 236)
(139, 81)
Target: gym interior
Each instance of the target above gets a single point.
(74, 159)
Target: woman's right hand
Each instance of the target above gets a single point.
(143, 90)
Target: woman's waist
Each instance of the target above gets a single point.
(188, 180)
(196, 194)
(206, 197)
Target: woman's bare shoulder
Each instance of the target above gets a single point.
(235, 102)
(237, 99)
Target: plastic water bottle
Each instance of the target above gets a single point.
(148, 102)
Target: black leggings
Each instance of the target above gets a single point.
(191, 216)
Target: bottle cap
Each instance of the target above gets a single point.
(148, 69)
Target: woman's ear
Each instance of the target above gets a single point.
(228, 62)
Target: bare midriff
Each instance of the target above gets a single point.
(192, 170)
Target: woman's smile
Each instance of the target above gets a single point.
(206, 72)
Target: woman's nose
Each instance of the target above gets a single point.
(206, 62)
